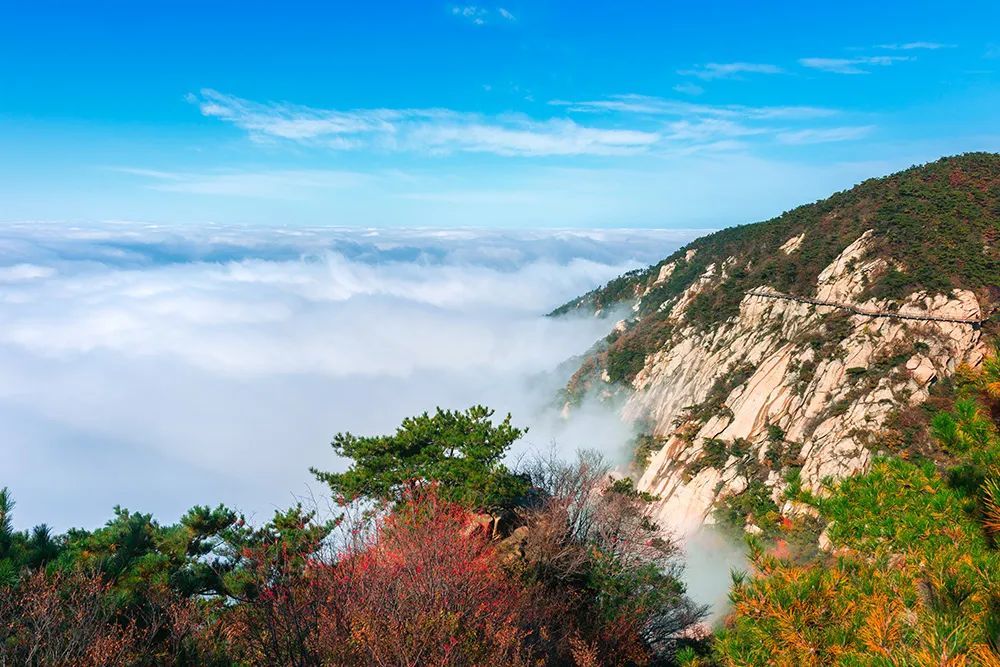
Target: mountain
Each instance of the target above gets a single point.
(790, 352)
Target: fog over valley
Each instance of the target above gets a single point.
(160, 366)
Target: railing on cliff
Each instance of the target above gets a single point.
(863, 311)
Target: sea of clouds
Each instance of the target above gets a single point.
(159, 367)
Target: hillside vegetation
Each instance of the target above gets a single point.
(937, 225)
(910, 572)
(439, 555)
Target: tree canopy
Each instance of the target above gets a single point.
(463, 451)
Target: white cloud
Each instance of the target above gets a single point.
(162, 366)
(689, 127)
(689, 89)
(281, 184)
(421, 130)
(851, 65)
(658, 106)
(24, 272)
(472, 13)
(620, 125)
(824, 135)
(553, 137)
(477, 15)
(909, 46)
(711, 71)
(709, 129)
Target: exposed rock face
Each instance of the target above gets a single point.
(792, 244)
(760, 356)
(788, 381)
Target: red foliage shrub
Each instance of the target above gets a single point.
(426, 588)
(583, 580)
(64, 619)
(276, 615)
(429, 589)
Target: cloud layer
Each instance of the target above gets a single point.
(161, 367)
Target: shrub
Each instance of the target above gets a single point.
(609, 575)
(431, 589)
(277, 592)
(644, 447)
(65, 619)
(774, 433)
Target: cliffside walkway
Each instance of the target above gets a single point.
(863, 311)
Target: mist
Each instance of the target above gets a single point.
(161, 367)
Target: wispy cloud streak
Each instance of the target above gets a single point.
(910, 46)
(619, 125)
(711, 71)
(860, 65)
(658, 106)
(420, 130)
(824, 135)
(266, 184)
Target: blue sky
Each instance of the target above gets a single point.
(540, 114)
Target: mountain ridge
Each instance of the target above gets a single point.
(974, 174)
(742, 396)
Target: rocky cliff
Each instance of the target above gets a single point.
(744, 391)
